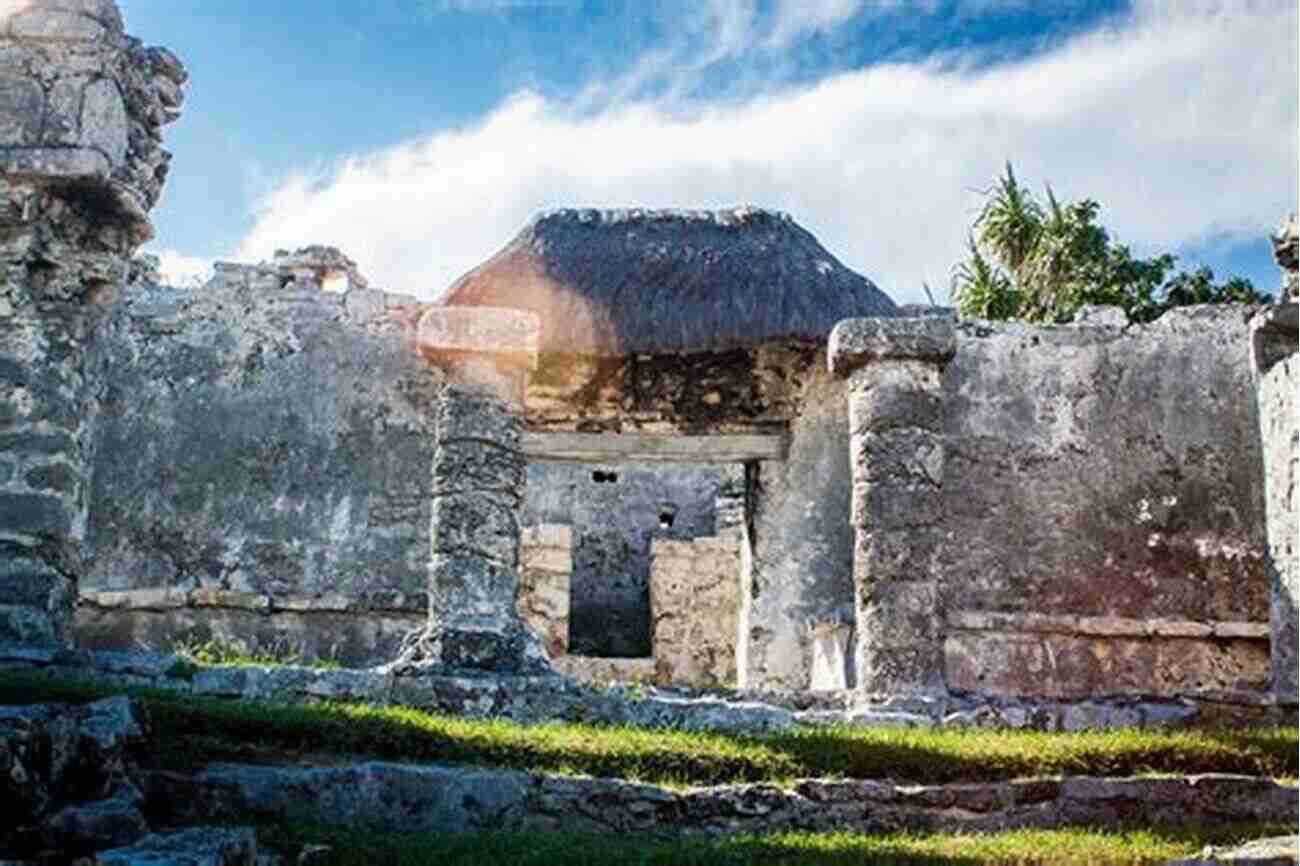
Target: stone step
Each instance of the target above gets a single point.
(383, 796)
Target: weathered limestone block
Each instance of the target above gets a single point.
(545, 568)
(695, 608)
(1276, 366)
(896, 453)
(486, 354)
(1065, 665)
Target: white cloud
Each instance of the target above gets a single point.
(178, 269)
(1181, 121)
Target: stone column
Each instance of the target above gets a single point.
(478, 481)
(81, 162)
(894, 368)
(1275, 341)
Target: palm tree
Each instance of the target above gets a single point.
(981, 289)
(1009, 224)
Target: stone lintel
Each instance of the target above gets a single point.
(449, 334)
(80, 174)
(651, 448)
(857, 342)
(1103, 626)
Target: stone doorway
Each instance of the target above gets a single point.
(633, 569)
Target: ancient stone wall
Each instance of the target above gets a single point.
(798, 580)
(263, 466)
(1101, 510)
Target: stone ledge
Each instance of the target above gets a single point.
(857, 342)
(451, 331)
(1104, 626)
(62, 163)
(442, 798)
(541, 699)
(173, 598)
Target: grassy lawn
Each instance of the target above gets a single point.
(192, 731)
(1066, 847)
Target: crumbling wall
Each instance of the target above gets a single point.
(1103, 524)
(263, 466)
(81, 162)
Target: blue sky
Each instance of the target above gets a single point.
(419, 135)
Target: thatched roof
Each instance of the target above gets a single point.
(619, 282)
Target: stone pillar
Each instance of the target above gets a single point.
(895, 367)
(81, 163)
(1275, 340)
(478, 482)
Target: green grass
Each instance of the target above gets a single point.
(196, 653)
(192, 731)
(1067, 847)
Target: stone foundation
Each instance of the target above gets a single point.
(338, 629)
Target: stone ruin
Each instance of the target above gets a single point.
(689, 449)
(686, 448)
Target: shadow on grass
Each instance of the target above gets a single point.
(192, 731)
(1067, 846)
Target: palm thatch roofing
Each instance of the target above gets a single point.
(619, 282)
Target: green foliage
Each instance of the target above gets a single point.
(1072, 846)
(192, 731)
(1041, 263)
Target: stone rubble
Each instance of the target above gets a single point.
(1277, 851)
(193, 846)
(70, 777)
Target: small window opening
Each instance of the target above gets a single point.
(667, 514)
(601, 477)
